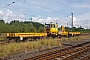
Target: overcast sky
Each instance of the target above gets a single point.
(45, 11)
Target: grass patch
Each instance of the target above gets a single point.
(13, 48)
(80, 37)
(2, 38)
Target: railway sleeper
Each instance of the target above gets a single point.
(75, 50)
(47, 54)
(50, 57)
(66, 56)
(81, 44)
(79, 51)
(73, 55)
(86, 57)
(43, 55)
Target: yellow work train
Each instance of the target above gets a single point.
(50, 30)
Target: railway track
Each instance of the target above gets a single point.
(2, 41)
(79, 51)
(13, 40)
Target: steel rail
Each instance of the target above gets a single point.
(68, 53)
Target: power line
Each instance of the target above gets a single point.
(9, 4)
(64, 5)
(41, 6)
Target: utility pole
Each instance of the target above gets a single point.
(72, 19)
(67, 24)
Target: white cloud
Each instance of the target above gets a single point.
(80, 20)
(46, 20)
(84, 20)
(1, 14)
(9, 16)
(74, 18)
(38, 7)
(60, 21)
(77, 21)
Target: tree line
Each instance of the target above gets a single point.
(17, 26)
(79, 29)
(28, 26)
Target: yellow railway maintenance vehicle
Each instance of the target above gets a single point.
(50, 30)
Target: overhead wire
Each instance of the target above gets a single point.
(41, 6)
(7, 5)
(64, 5)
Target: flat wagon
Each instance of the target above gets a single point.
(22, 36)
